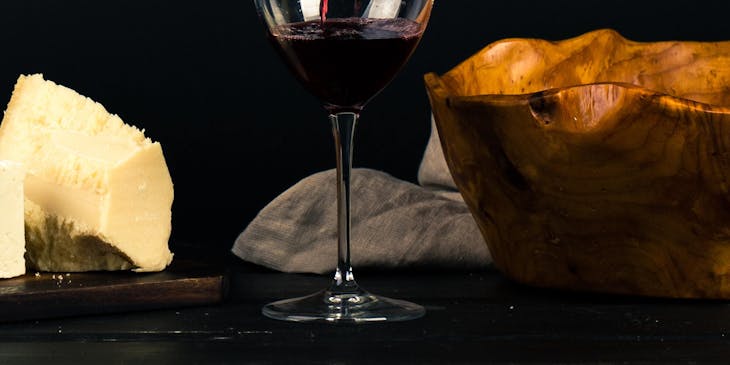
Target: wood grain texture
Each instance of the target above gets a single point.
(595, 163)
(47, 295)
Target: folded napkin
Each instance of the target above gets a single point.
(395, 224)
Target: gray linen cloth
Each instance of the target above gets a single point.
(395, 224)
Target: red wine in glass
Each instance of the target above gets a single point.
(344, 53)
(345, 62)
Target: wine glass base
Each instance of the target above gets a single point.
(326, 306)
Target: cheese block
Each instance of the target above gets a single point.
(98, 193)
(12, 235)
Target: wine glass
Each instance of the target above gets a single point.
(344, 52)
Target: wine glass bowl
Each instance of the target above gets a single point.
(344, 52)
(348, 55)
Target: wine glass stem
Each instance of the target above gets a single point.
(343, 129)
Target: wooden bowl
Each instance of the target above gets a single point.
(595, 163)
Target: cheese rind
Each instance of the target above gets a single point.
(59, 244)
(98, 192)
(12, 236)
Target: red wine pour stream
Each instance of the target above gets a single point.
(323, 9)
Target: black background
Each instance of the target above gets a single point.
(236, 128)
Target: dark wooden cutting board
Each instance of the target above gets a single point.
(46, 295)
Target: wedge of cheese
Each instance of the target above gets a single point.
(12, 236)
(98, 192)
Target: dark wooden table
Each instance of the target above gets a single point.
(472, 317)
